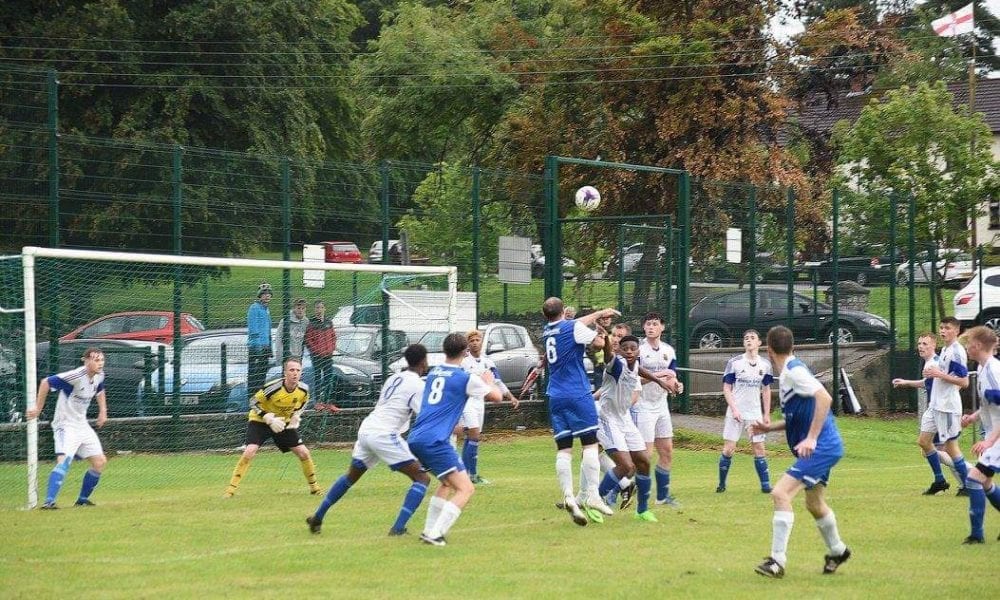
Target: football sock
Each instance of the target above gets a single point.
(581, 496)
(935, 463)
(828, 529)
(977, 507)
(90, 479)
(433, 512)
(591, 466)
(608, 484)
(946, 461)
(724, 462)
(470, 456)
(241, 469)
(643, 485)
(993, 495)
(781, 531)
(662, 483)
(624, 482)
(607, 464)
(336, 492)
(564, 472)
(309, 470)
(449, 514)
(410, 504)
(760, 463)
(961, 468)
(56, 478)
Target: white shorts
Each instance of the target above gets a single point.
(733, 430)
(991, 458)
(390, 448)
(654, 425)
(947, 425)
(80, 441)
(619, 433)
(474, 414)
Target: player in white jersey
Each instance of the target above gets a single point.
(380, 440)
(746, 386)
(982, 343)
(944, 404)
(73, 436)
(652, 412)
(474, 415)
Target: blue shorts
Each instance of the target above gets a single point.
(437, 457)
(815, 469)
(572, 416)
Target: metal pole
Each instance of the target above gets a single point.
(893, 217)
(836, 298)
(668, 264)
(551, 222)
(932, 248)
(621, 269)
(505, 301)
(753, 254)
(384, 196)
(286, 251)
(476, 217)
(683, 336)
(52, 93)
(177, 189)
(911, 216)
(790, 251)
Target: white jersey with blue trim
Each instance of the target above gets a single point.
(618, 385)
(76, 391)
(399, 400)
(989, 392)
(933, 361)
(564, 343)
(655, 359)
(797, 387)
(748, 377)
(946, 396)
(482, 364)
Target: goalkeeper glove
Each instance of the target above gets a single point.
(276, 424)
(296, 420)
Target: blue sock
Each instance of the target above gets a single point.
(977, 507)
(410, 504)
(662, 483)
(993, 495)
(935, 463)
(337, 491)
(642, 484)
(609, 483)
(961, 468)
(470, 456)
(56, 478)
(760, 463)
(724, 462)
(90, 480)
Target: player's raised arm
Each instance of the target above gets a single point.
(590, 319)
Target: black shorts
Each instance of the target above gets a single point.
(258, 433)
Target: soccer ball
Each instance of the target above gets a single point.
(588, 198)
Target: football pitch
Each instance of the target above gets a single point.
(162, 529)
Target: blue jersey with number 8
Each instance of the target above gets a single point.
(564, 343)
(446, 391)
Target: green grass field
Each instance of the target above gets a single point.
(162, 529)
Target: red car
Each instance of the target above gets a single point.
(342, 252)
(151, 326)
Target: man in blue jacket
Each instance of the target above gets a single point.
(259, 338)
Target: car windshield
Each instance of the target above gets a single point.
(433, 340)
(344, 248)
(209, 350)
(354, 342)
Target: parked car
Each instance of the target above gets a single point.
(953, 268)
(341, 252)
(150, 326)
(630, 257)
(127, 363)
(970, 309)
(719, 320)
(507, 344)
(722, 271)
(538, 264)
(361, 314)
(395, 254)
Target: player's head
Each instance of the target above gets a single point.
(926, 344)
(780, 341)
(981, 342)
(264, 293)
(949, 328)
(416, 358)
(628, 347)
(454, 345)
(93, 359)
(652, 325)
(292, 371)
(319, 308)
(751, 340)
(617, 333)
(475, 339)
(299, 307)
(569, 312)
(552, 309)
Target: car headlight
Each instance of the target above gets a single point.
(875, 321)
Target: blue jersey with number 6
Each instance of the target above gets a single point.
(564, 343)
(447, 389)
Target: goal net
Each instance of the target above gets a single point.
(182, 337)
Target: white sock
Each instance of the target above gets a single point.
(591, 467)
(583, 494)
(828, 529)
(564, 472)
(624, 482)
(607, 465)
(449, 514)
(433, 513)
(781, 531)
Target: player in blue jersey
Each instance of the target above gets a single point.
(446, 392)
(571, 405)
(982, 343)
(813, 437)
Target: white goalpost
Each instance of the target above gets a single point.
(64, 289)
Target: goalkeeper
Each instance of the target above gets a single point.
(276, 414)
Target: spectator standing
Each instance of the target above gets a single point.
(297, 325)
(259, 338)
(321, 340)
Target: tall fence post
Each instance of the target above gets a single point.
(790, 251)
(621, 269)
(893, 342)
(177, 179)
(476, 241)
(911, 218)
(752, 198)
(551, 213)
(384, 190)
(684, 235)
(52, 93)
(836, 297)
(286, 253)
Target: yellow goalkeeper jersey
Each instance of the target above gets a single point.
(275, 399)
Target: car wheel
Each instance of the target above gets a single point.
(902, 278)
(862, 278)
(992, 320)
(710, 338)
(758, 277)
(846, 333)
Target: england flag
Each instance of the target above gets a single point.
(956, 23)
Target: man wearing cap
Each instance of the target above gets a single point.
(259, 338)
